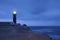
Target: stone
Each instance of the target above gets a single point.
(22, 32)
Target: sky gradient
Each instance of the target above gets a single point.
(32, 12)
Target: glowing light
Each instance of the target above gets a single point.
(14, 12)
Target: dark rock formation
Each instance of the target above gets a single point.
(20, 32)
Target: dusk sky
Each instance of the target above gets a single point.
(32, 12)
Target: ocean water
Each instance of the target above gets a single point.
(52, 31)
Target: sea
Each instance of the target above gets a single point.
(52, 31)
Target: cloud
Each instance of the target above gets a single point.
(34, 22)
(2, 12)
(37, 11)
(39, 23)
(32, 12)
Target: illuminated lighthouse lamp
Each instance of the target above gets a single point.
(14, 12)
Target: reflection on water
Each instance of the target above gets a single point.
(52, 31)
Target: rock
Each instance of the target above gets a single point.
(24, 36)
(23, 28)
(22, 32)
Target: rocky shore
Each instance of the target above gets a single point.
(21, 33)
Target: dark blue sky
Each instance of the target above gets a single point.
(32, 12)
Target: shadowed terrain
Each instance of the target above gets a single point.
(20, 33)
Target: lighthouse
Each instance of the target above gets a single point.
(14, 17)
